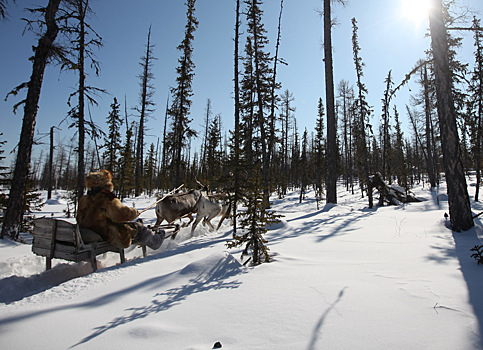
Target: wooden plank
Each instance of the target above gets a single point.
(52, 243)
(58, 255)
(45, 228)
(65, 248)
(41, 251)
(42, 234)
(65, 231)
(41, 242)
(65, 234)
(66, 256)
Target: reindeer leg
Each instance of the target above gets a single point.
(227, 213)
(198, 219)
(208, 221)
(191, 218)
(158, 221)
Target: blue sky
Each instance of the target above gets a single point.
(388, 38)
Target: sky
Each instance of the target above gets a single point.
(391, 37)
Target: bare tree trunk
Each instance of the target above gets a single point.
(236, 137)
(51, 160)
(331, 185)
(429, 127)
(82, 8)
(459, 204)
(385, 136)
(165, 148)
(145, 101)
(14, 213)
(271, 142)
(479, 114)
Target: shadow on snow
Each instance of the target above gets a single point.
(320, 323)
(45, 281)
(214, 278)
(324, 224)
(463, 242)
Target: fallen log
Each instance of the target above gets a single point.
(393, 194)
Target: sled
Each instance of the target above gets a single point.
(60, 239)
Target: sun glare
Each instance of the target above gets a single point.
(415, 11)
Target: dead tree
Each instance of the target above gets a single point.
(44, 49)
(394, 195)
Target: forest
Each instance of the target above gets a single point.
(265, 152)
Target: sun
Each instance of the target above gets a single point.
(415, 11)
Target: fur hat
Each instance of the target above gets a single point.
(101, 179)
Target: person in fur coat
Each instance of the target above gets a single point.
(102, 212)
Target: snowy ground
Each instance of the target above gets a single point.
(344, 277)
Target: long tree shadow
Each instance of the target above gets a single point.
(158, 281)
(214, 278)
(472, 274)
(316, 223)
(15, 288)
(320, 323)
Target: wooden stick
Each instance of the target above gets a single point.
(159, 200)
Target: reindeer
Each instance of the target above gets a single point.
(177, 206)
(210, 206)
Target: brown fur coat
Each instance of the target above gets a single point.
(103, 213)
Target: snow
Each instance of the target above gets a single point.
(343, 277)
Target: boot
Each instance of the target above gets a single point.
(153, 239)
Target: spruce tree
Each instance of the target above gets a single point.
(3, 168)
(255, 222)
(274, 87)
(181, 132)
(475, 103)
(3, 179)
(214, 153)
(247, 105)
(295, 169)
(262, 82)
(150, 170)
(319, 152)
(127, 182)
(399, 164)
(345, 96)
(145, 109)
(207, 122)
(112, 140)
(234, 160)
(363, 111)
(286, 115)
(304, 166)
